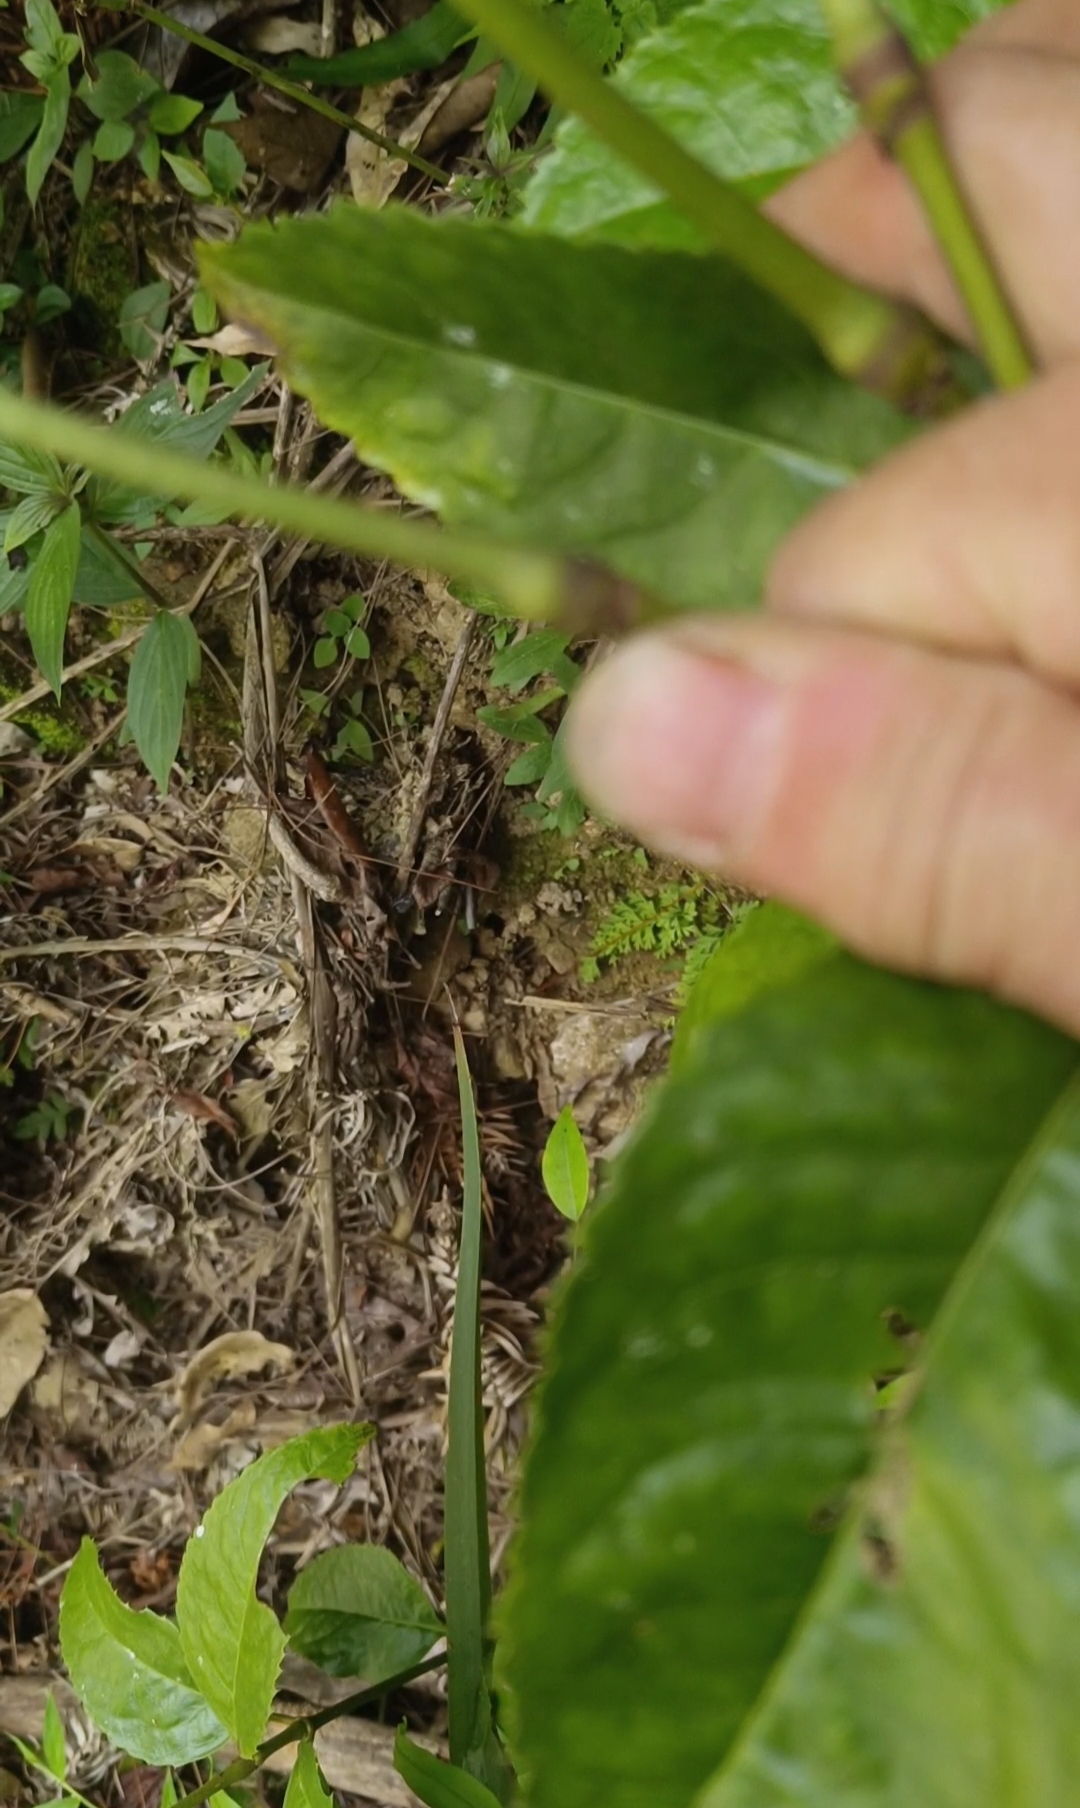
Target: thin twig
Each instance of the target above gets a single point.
(272, 79)
(138, 943)
(435, 740)
(305, 1728)
(59, 775)
(897, 104)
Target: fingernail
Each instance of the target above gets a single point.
(681, 746)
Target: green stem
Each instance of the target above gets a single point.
(537, 586)
(897, 105)
(874, 341)
(304, 1728)
(271, 79)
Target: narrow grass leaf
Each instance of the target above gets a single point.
(129, 1672)
(232, 1643)
(356, 1611)
(48, 596)
(53, 1742)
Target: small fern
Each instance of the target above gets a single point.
(664, 922)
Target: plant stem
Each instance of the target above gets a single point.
(294, 90)
(890, 349)
(897, 105)
(112, 550)
(304, 1728)
(537, 586)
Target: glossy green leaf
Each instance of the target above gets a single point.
(53, 1741)
(20, 116)
(678, 431)
(165, 661)
(770, 948)
(50, 133)
(232, 1643)
(749, 86)
(173, 113)
(437, 1784)
(804, 1208)
(422, 44)
(117, 87)
(306, 1788)
(142, 318)
(49, 593)
(128, 1671)
(565, 1166)
(356, 1611)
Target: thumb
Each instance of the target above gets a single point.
(925, 807)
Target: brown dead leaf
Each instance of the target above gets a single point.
(24, 1340)
(234, 1353)
(67, 1398)
(235, 340)
(47, 880)
(373, 173)
(151, 1571)
(197, 1105)
(199, 1446)
(464, 107)
(291, 144)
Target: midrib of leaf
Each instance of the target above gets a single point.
(1010, 1200)
(827, 473)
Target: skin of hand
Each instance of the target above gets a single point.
(893, 746)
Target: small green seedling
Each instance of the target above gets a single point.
(556, 802)
(565, 1166)
(341, 634)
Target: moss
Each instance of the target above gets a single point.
(99, 276)
(54, 732)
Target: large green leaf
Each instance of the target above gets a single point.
(748, 85)
(20, 116)
(232, 1642)
(356, 1611)
(165, 662)
(807, 1198)
(657, 411)
(128, 1671)
(48, 596)
(422, 44)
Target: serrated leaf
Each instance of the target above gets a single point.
(53, 1741)
(565, 1166)
(142, 318)
(305, 1788)
(678, 432)
(157, 689)
(825, 1166)
(129, 1672)
(422, 44)
(232, 1642)
(356, 1611)
(49, 593)
(170, 114)
(20, 116)
(50, 133)
(118, 86)
(437, 1784)
(749, 86)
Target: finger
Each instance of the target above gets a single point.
(927, 809)
(968, 537)
(1011, 119)
(1052, 26)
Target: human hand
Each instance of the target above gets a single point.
(894, 747)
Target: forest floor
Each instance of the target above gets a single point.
(231, 1149)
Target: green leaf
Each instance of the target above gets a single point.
(190, 175)
(768, 949)
(357, 644)
(204, 314)
(128, 1671)
(198, 384)
(142, 319)
(749, 86)
(118, 87)
(533, 654)
(172, 113)
(48, 596)
(232, 1642)
(161, 669)
(103, 579)
(337, 622)
(325, 653)
(354, 738)
(149, 155)
(356, 1611)
(224, 161)
(10, 293)
(20, 116)
(53, 1741)
(810, 1206)
(677, 432)
(44, 31)
(423, 44)
(467, 1563)
(306, 1788)
(518, 722)
(30, 516)
(439, 1785)
(565, 1166)
(49, 302)
(113, 140)
(27, 472)
(50, 134)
